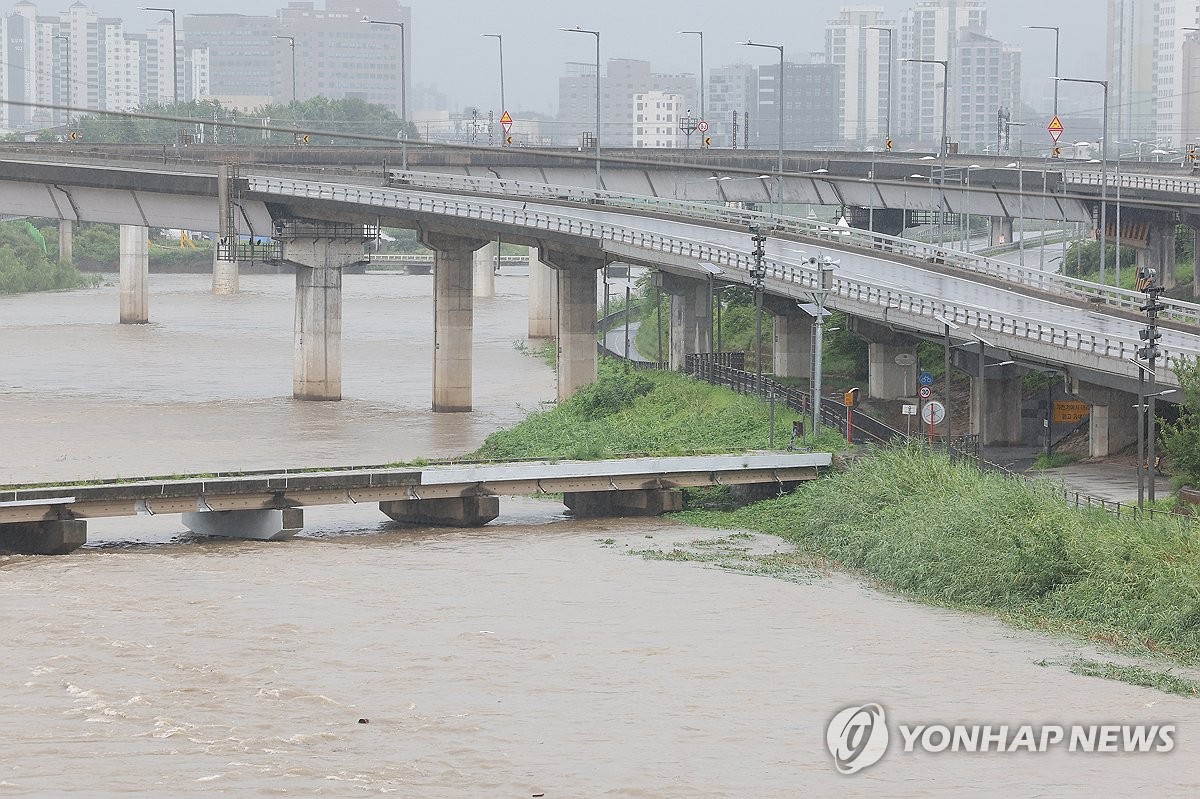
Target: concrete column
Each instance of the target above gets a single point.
(1193, 223)
(887, 379)
(691, 318)
(484, 283)
(444, 512)
(43, 538)
(319, 259)
(1001, 397)
(66, 243)
(317, 372)
(543, 298)
(793, 339)
(1002, 231)
(135, 272)
(577, 287)
(226, 278)
(254, 525)
(647, 502)
(1160, 248)
(453, 309)
(1113, 418)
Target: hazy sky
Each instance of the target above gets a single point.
(448, 51)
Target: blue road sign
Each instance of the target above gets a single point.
(926, 379)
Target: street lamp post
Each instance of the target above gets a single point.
(403, 66)
(944, 145)
(596, 137)
(701, 35)
(947, 326)
(67, 41)
(503, 106)
(291, 40)
(779, 107)
(1103, 172)
(1056, 31)
(824, 286)
(888, 31)
(174, 53)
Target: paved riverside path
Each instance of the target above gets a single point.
(1114, 480)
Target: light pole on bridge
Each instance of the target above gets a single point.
(499, 37)
(1103, 172)
(944, 145)
(779, 98)
(599, 185)
(174, 54)
(403, 66)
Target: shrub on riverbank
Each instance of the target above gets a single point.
(25, 266)
(947, 534)
(662, 413)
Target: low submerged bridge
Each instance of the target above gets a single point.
(269, 505)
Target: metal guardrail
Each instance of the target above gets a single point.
(1051, 282)
(1145, 182)
(850, 294)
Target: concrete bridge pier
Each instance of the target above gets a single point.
(691, 317)
(319, 257)
(483, 265)
(1160, 248)
(66, 242)
(254, 525)
(996, 400)
(453, 319)
(226, 278)
(57, 537)
(1113, 420)
(135, 275)
(886, 377)
(543, 297)
(638, 502)
(443, 512)
(576, 276)
(1001, 232)
(888, 221)
(792, 348)
(1193, 223)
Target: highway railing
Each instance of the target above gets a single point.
(1049, 282)
(863, 298)
(1169, 185)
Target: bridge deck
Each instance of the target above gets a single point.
(282, 489)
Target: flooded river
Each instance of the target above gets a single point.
(537, 656)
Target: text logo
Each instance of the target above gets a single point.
(857, 737)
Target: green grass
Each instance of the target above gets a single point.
(634, 412)
(1054, 460)
(1136, 675)
(947, 534)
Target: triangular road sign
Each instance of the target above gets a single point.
(1055, 128)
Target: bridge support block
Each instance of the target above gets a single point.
(792, 339)
(226, 278)
(691, 317)
(639, 502)
(997, 400)
(543, 298)
(135, 275)
(443, 512)
(1160, 249)
(43, 538)
(577, 288)
(483, 285)
(317, 372)
(253, 525)
(887, 379)
(66, 242)
(1001, 232)
(453, 319)
(1112, 424)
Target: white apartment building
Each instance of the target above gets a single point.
(656, 120)
(930, 30)
(866, 55)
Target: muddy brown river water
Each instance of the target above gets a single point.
(537, 656)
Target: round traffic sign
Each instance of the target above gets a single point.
(906, 359)
(926, 379)
(933, 412)
(925, 392)
(702, 126)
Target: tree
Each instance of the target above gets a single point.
(1181, 440)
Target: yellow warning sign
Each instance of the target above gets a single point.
(1070, 411)
(1055, 128)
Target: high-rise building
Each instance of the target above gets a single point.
(1146, 71)
(732, 92)
(867, 58)
(931, 30)
(985, 77)
(623, 79)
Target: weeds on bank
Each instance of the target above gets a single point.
(947, 534)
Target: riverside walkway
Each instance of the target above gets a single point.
(52, 519)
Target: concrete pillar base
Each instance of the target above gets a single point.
(43, 538)
(135, 275)
(483, 283)
(1001, 409)
(577, 289)
(226, 277)
(1113, 419)
(691, 318)
(543, 298)
(444, 512)
(66, 244)
(641, 502)
(453, 318)
(793, 344)
(1001, 232)
(254, 525)
(317, 371)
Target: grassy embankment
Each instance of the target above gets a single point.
(912, 522)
